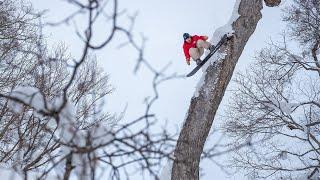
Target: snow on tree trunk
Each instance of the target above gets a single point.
(205, 103)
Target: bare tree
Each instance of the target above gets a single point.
(204, 104)
(51, 103)
(277, 103)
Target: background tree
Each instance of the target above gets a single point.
(51, 105)
(277, 103)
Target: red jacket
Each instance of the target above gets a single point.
(187, 46)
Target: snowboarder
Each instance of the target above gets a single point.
(194, 46)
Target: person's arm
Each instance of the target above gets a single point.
(200, 37)
(204, 38)
(186, 53)
(188, 61)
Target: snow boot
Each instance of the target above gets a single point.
(211, 48)
(230, 35)
(198, 61)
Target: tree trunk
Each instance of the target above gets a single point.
(272, 3)
(203, 108)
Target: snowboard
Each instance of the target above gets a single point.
(220, 43)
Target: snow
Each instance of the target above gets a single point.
(33, 97)
(217, 35)
(227, 29)
(67, 125)
(9, 174)
(217, 56)
(28, 95)
(67, 131)
(282, 106)
(166, 171)
(101, 135)
(316, 176)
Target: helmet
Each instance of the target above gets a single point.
(186, 36)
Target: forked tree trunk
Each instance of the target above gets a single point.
(203, 108)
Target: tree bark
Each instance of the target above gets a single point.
(272, 3)
(68, 167)
(203, 108)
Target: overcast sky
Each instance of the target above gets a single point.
(163, 22)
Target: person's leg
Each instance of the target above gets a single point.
(201, 51)
(203, 44)
(194, 53)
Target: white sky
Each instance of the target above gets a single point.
(163, 22)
